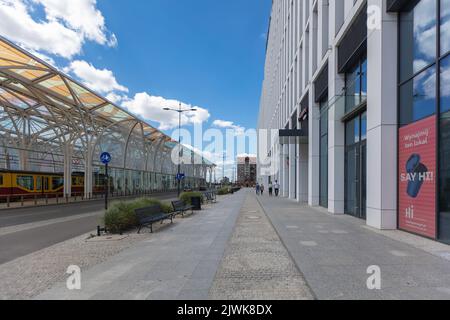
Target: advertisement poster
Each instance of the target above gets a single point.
(417, 169)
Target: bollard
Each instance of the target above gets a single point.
(21, 200)
(35, 200)
(7, 201)
(46, 199)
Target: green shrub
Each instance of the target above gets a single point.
(121, 216)
(223, 191)
(186, 196)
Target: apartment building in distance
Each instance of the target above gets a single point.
(246, 171)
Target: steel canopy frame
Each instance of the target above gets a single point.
(45, 113)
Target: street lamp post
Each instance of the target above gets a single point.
(180, 110)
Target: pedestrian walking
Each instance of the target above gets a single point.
(257, 189)
(277, 188)
(262, 189)
(270, 189)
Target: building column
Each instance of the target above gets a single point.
(285, 173)
(88, 176)
(302, 173)
(292, 175)
(313, 154)
(336, 130)
(279, 154)
(68, 170)
(382, 135)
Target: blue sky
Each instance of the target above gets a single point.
(205, 52)
(147, 54)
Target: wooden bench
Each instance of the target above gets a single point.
(180, 207)
(150, 215)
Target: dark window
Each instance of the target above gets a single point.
(26, 182)
(57, 182)
(444, 153)
(364, 126)
(445, 84)
(445, 26)
(352, 131)
(418, 97)
(417, 38)
(1, 179)
(356, 85)
(356, 166)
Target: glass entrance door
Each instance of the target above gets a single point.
(356, 167)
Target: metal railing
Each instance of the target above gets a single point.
(29, 199)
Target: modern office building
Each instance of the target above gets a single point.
(246, 171)
(359, 93)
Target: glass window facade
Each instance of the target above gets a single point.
(424, 87)
(418, 37)
(445, 26)
(356, 166)
(356, 85)
(418, 97)
(444, 152)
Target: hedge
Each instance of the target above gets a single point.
(121, 217)
(186, 196)
(223, 191)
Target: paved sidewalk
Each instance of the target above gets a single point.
(334, 252)
(178, 262)
(256, 264)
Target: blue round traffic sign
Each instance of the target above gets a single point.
(105, 158)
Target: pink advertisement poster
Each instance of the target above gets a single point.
(417, 170)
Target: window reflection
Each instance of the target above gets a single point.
(445, 163)
(356, 85)
(418, 97)
(445, 84)
(445, 26)
(418, 40)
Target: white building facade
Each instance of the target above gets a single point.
(359, 93)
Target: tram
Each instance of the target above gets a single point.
(22, 183)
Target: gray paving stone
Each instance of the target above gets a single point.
(177, 261)
(337, 267)
(256, 265)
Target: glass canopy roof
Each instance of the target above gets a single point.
(43, 105)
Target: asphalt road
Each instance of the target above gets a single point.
(87, 215)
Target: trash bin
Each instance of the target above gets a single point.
(196, 203)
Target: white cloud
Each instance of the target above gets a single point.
(115, 98)
(102, 81)
(43, 57)
(66, 27)
(229, 125)
(80, 15)
(151, 108)
(244, 155)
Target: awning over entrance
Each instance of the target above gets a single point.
(293, 136)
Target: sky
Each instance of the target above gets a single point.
(144, 55)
